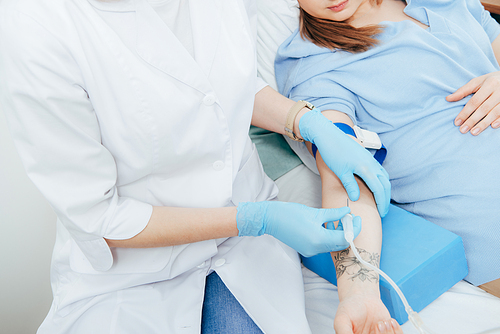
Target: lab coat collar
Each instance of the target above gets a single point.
(170, 56)
(206, 23)
(114, 5)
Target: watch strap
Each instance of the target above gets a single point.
(292, 115)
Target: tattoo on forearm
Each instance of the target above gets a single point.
(351, 266)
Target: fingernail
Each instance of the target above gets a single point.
(458, 122)
(464, 129)
(394, 324)
(475, 131)
(381, 327)
(387, 325)
(495, 125)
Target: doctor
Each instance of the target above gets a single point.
(131, 117)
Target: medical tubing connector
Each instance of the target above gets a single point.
(412, 315)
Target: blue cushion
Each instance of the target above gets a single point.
(424, 260)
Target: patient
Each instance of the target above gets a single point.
(392, 67)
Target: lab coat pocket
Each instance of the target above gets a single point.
(252, 184)
(125, 260)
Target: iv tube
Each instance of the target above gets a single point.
(412, 315)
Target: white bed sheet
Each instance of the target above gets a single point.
(464, 309)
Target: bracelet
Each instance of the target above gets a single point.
(292, 115)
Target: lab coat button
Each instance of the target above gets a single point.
(220, 262)
(219, 165)
(209, 100)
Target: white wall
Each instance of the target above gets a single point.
(27, 234)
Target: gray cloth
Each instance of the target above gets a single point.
(276, 156)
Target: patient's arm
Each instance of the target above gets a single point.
(358, 287)
(370, 239)
(349, 273)
(360, 305)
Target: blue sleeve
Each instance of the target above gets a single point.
(489, 24)
(326, 94)
(305, 71)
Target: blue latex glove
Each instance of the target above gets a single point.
(296, 225)
(345, 158)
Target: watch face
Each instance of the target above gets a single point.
(307, 104)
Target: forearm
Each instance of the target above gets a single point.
(351, 277)
(169, 226)
(271, 109)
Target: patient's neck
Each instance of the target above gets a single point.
(388, 10)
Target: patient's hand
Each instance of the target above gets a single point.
(364, 314)
(483, 109)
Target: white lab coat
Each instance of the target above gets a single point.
(111, 115)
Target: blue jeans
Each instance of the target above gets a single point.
(222, 313)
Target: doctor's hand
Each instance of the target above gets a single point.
(483, 109)
(345, 158)
(364, 314)
(296, 225)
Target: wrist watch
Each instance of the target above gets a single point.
(292, 114)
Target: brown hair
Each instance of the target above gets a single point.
(338, 35)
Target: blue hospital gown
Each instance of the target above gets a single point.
(398, 90)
